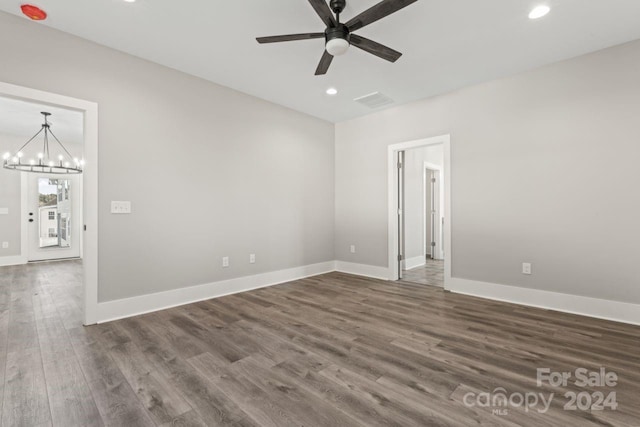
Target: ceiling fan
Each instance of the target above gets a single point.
(338, 36)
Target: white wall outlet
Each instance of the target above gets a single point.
(5, 245)
(119, 207)
(225, 261)
(353, 249)
(526, 268)
(252, 258)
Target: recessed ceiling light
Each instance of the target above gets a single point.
(539, 11)
(332, 91)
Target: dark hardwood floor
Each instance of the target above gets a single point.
(332, 350)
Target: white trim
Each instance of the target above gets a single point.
(365, 270)
(128, 307)
(414, 262)
(24, 208)
(584, 306)
(6, 261)
(392, 232)
(90, 185)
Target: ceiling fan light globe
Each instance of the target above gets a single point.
(337, 47)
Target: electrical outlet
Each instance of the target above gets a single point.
(225, 261)
(353, 249)
(5, 245)
(252, 258)
(526, 268)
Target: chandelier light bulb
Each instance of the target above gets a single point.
(60, 157)
(20, 154)
(40, 156)
(6, 156)
(32, 162)
(14, 160)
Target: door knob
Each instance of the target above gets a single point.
(30, 213)
(30, 219)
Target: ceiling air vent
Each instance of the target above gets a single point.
(374, 100)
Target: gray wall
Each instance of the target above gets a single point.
(210, 172)
(530, 154)
(10, 198)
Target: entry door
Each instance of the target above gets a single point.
(53, 216)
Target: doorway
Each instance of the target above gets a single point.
(54, 215)
(419, 211)
(73, 231)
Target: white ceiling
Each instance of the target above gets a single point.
(447, 44)
(23, 119)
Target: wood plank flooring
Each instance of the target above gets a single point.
(332, 350)
(432, 273)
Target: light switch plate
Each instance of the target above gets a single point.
(4, 211)
(120, 207)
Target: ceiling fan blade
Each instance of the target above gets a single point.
(323, 11)
(375, 48)
(289, 37)
(379, 11)
(323, 66)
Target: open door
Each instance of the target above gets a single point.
(401, 227)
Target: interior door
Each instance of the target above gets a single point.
(53, 216)
(432, 213)
(401, 228)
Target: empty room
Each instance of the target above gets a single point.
(319, 213)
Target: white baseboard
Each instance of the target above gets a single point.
(585, 306)
(362, 270)
(414, 262)
(6, 261)
(128, 307)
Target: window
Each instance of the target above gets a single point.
(52, 215)
(52, 232)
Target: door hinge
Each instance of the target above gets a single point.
(399, 258)
(85, 228)
(433, 244)
(399, 165)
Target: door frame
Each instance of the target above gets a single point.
(393, 224)
(89, 209)
(438, 228)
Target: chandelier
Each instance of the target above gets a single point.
(45, 161)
